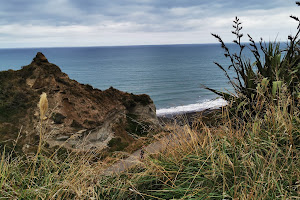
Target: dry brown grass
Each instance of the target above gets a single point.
(257, 159)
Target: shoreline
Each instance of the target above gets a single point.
(196, 107)
(187, 117)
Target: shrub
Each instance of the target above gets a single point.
(264, 76)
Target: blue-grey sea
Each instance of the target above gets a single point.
(171, 74)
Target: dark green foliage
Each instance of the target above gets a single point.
(89, 87)
(27, 71)
(142, 98)
(6, 75)
(62, 153)
(14, 100)
(61, 80)
(76, 124)
(116, 144)
(134, 126)
(266, 75)
(131, 102)
(128, 103)
(92, 123)
(58, 118)
(8, 128)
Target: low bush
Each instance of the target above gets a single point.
(273, 68)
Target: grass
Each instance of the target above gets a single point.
(116, 144)
(135, 126)
(257, 159)
(51, 179)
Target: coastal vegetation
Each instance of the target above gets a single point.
(273, 67)
(257, 159)
(252, 152)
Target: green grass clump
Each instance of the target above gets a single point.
(116, 144)
(136, 127)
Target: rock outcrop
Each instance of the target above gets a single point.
(80, 117)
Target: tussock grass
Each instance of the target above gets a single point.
(51, 179)
(253, 159)
(257, 159)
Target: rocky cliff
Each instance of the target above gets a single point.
(80, 117)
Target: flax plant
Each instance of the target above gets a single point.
(272, 65)
(43, 108)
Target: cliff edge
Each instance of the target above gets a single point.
(80, 117)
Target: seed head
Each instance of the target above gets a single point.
(43, 105)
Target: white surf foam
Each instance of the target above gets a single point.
(207, 104)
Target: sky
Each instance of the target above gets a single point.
(69, 23)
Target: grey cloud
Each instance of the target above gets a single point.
(63, 12)
(130, 17)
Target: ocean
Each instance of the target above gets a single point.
(171, 74)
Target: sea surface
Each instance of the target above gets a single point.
(171, 74)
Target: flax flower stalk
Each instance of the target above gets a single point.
(43, 107)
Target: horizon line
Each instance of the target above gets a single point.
(135, 45)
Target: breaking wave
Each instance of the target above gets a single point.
(207, 104)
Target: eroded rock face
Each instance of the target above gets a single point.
(79, 118)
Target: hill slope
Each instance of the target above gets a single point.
(79, 117)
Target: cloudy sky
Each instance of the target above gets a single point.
(53, 23)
